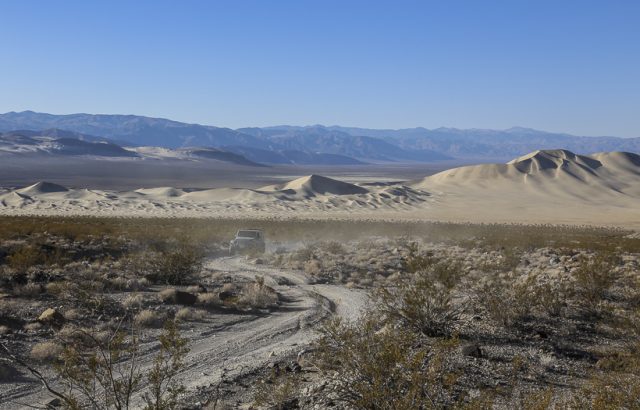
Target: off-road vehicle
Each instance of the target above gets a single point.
(246, 241)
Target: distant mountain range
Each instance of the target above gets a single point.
(500, 144)
(59, 143)
(113, 135)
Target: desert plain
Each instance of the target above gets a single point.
(547, 187)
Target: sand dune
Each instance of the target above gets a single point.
(314, 185)
(161, 192)
(552, 186)
(541, 165)
(558, 172)
(41, 188)
(555, 186)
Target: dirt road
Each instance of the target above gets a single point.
(246, 344)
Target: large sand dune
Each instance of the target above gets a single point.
(555, 186)
(552, 186)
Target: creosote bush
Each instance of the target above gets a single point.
(164, 390)
(258, 295)
(424, 304)
(104, 371)
(209, 300)
(506, 299)
(175, 267)
(45, 352)
(373, 366)
(593, 280)
(190, 315)
(424, 300)
(277, 394)
(149, 318)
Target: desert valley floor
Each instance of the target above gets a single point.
(552, 186)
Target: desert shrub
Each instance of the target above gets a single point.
(149, 318)
(312, 267)
(167, 295)
(25, 257)
(536, 400)
(73, 314)
(67, 332)
(333, 247)
(57, 288)
(424, 305)
(133, 301)
(618, 387)
(103, 373)
(594, 278)
(506, 299)
(416, 261)
(164, 390)
(551, 295)
(33, 327)
(189, 315)
(510, 259)
(376, 367)
(137, 284)
(277, 394)
(87, 294)
(175, 267)
(304, 254)
(46, 352)
(122, 283)
(446, 272)
(209, 300)
(258, 295)
(28, 290)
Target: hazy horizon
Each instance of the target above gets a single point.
(324, 125)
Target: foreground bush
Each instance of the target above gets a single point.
(175, 267)
(424, 304)
(148, 318)
(372, 366)
(258, 295)
(103, 373)
(45, 352)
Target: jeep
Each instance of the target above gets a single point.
(247, 240)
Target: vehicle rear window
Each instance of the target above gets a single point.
(247, 234)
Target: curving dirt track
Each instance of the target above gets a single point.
(243, 345)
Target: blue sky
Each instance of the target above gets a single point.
(568, 66)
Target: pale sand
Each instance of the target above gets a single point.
(547, 187)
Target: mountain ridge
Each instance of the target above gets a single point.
(312, 144)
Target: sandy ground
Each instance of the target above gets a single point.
(550, 187)
(240, 344)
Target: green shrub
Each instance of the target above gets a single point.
(593, 281)
(507, 299)
(425, 304)
(376, 367)
(26, 257)
(176, 267)
(104, 372)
